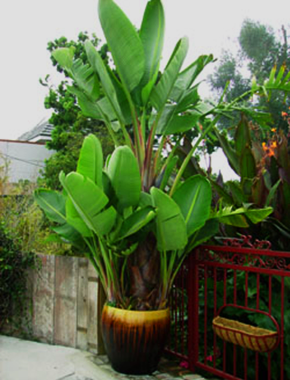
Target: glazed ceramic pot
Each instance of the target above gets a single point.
(134, 340)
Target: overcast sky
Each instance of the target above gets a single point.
(27, 25)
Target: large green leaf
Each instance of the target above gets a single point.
(232, 218)
(136, 221)
(210, 229)
(90, 163)
(124, 174)
(257, 215)
(171, 227)
(162, 90)
(74, 219)
(188, 76)
(108, 87)
(124, 43)
(52, 203)
(64, 56)
(152, 36)
(237, 217)
(272, 193)
(194, 199)
(104, 221)
(69, 234)
(242, 136)
(238, 195)
(86, 79)
(189, 100)
(122, 97)
(82, 73)
(248, 164)
(165, 118)
(87, 198)
(100, 110)
(181, 123)
(167, 172)
(229, 152)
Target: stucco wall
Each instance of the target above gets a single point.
(25, 159)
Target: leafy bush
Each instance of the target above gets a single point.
(263, 164)
(14, 267)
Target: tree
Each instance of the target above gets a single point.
(70, 125)
(260, 50)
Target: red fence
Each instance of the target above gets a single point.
(236, 289)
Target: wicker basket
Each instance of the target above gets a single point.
(244, 335)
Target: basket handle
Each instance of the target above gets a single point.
(252, 310)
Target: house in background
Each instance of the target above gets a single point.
(39, 134)
(26, 155)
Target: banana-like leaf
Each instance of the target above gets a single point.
(209, 230)
(122, 98)
(124, 43)
(136, 221)
(152, 36)
(242, 136)
(279, 81)
(165, 118)
(247, 163)
(90, 162)
(162, 90)
(82, 73)
(180, 124)
(237, 217)
(64, 56)
(238, 195)
(194, 199)
(74, 219)
(86, 79)
(87, 198)
(124, 174)
(188, 76)
(52, 203)
(145, 199)
(235, 220)
(108, 87)
(104, 221)
(224, 194)
(232, 219)
(257, 215)
(69, 234)
(100, 110)
(229, 152)
(165, 175)
(171, 227)
(190, 99)
(146, 90)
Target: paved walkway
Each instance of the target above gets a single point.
(25, 360)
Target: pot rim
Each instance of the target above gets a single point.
(125, 311)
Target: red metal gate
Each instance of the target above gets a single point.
(246, 287)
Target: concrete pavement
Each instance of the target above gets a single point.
(26, 360)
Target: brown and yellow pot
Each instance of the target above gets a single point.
(134, 340)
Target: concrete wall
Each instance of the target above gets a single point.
(25, 159)
(66, 310)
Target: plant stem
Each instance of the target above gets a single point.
(188, 157)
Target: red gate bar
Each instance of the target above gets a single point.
(209, 271)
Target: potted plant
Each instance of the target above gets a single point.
(134, 215)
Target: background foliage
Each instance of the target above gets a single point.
(260, 49)
(70, 125)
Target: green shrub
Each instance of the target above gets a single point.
(14, 265)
